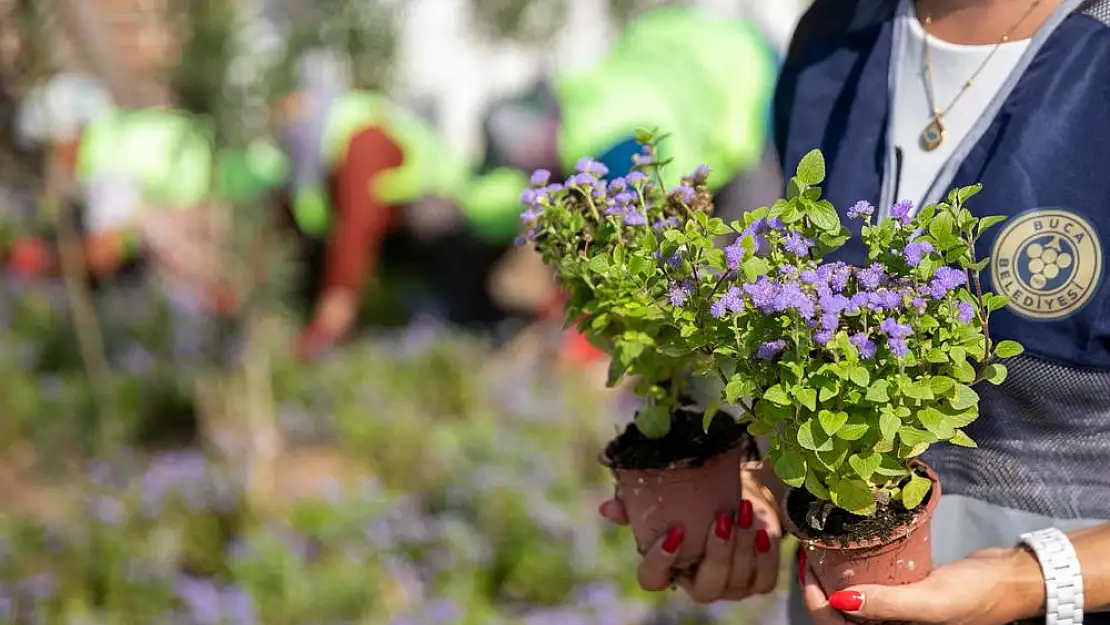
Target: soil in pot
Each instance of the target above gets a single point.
(684, 478)
(892, 547)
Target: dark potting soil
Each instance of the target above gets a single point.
(687, 441)
(843, 527)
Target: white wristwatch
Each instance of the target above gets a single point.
(1063, 579)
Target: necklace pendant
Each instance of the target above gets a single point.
(933, 135)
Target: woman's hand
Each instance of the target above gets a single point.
(742, 554)
(978, 590)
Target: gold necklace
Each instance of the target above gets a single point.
(933, 134)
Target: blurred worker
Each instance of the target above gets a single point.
(706, 82)
(370, 184)
(143, 179)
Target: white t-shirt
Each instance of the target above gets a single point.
(953, 65)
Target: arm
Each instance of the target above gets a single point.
(990, 587)
(360, 225)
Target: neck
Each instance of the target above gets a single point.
(985, 22)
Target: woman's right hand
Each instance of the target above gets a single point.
(741, 554)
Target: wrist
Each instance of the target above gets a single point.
(1023, 586)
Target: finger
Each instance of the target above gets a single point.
(713, 571)
(766, 542)
(743, 552)
(654, 572)
(818, 604)
(613, 511)
(895, 603)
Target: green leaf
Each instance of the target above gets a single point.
(1008, 349)
(989, 221)
(913, 437)
(599, 264)
(824, 217)
(995, 373)
(936, 356)
(878, 392)
(914, 492)
(934, 421)
(918, 390)
(964, 372)
(828, 392)
(708, 415)
(815, 487)
(963, 397)
(888, 425)
(865, 465)
(831, 421)
(789, 466)
(776, 395)
(639, 265)
(807, 396)
(654, 421)
(812, 438)
(854, 496)
(852, 431)
(941, 384)
(963, 440)
(861, 376)
(737, 388)
(996, 302)
(755, 267)
(811, 169)
(965, 193)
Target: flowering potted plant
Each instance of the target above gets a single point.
(854, 371)
(614, 245)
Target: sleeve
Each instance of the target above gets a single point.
(361, 218)
(112, 202)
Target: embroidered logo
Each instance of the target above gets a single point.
(1048, 261)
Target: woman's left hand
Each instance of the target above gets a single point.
(983, 589)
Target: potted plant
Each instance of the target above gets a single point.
(855, 371)
(614, 247)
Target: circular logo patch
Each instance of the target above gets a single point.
(1049, 262)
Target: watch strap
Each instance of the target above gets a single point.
(1063, 577)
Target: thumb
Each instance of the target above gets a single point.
(886, 603)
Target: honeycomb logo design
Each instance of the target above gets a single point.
(1049, 262)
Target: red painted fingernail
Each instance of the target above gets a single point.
(802, 566)
(762, 541)
(724, 525)
(846, 600)
(673, 539)
(745, 516)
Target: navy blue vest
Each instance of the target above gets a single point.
(1043, 160)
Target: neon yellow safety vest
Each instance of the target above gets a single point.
(706, 82)
(429, 167)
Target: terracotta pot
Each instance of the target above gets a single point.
(903, 557)
(658, 499)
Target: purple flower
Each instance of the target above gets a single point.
(832, 303)
(895, 330)
(871, 277)
(898, 347)
(835, 274)
(763, 293)
(528, 197)
(679, 292)
(686, 193)
(830, 321)
(865, 345)
(965, 312)
(635, 178)
(531, 214)
(673, 261)
(770, 349)
(625, 198)
(732, 301)
(792, 297)
(616, 185)
(588, 165)
(581, 180)
(540, 177)
(810, 277)
(633, 217)
(858, 301)
(901, 211)
(861, 209)
(669, 222)
(701, 174)
(944, 280)
(823, 337)
(918, 303)
(915, 251)
(797, 244)
(734, 255)
(886, 299)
